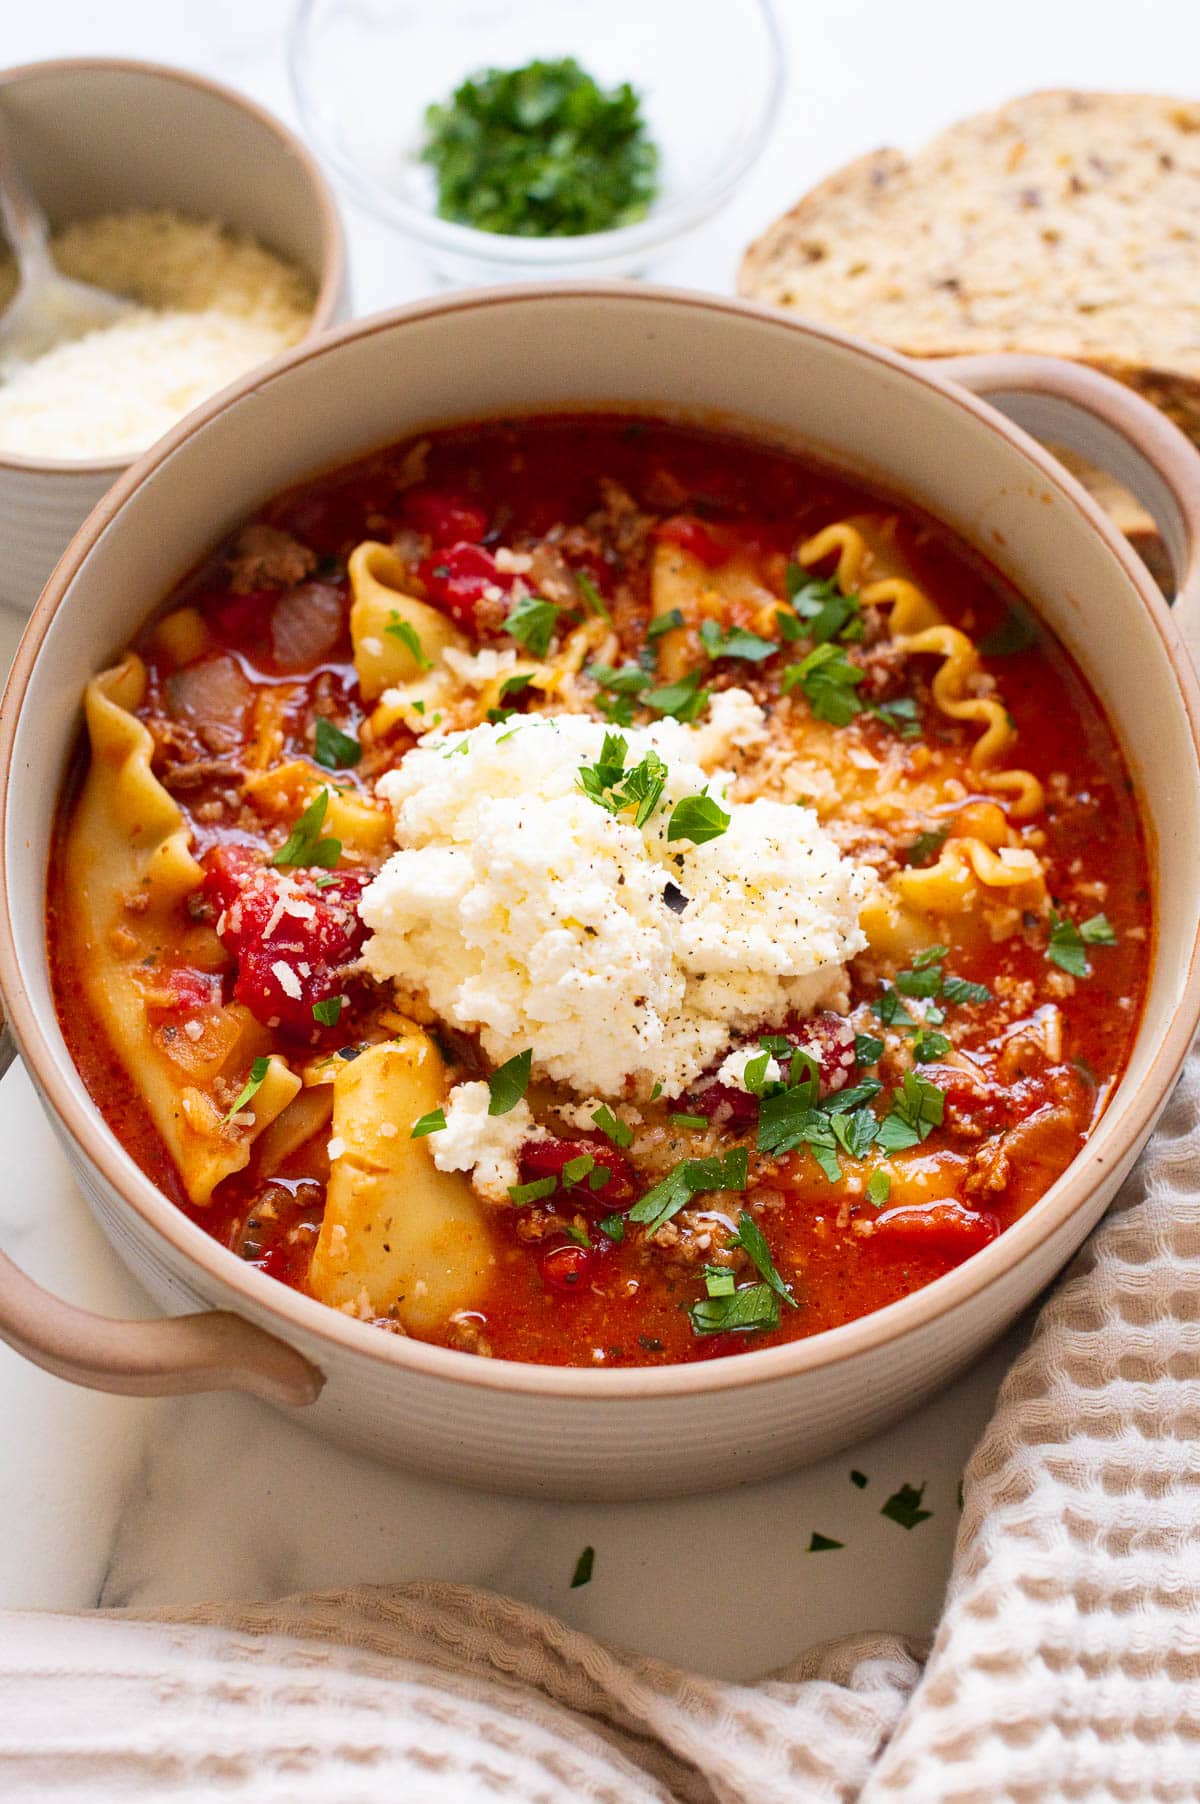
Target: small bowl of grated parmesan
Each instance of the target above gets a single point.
(202, 211)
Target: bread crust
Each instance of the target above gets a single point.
(1063, 223)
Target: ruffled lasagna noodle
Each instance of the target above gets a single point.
(217, 880)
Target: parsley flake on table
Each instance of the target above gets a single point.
(822, 1543)
(333, 748)
(304, 844)
(509, 1082)
(904, 1506)
(532, 622)
(584, 1567)
(541, 151)
(858, 1479)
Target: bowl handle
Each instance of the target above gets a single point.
(212, 1351)
(1114, 428)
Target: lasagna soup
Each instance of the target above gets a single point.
(593, 891)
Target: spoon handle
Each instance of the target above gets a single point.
(25, 225)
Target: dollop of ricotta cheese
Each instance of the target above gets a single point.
(488, 1146)
(524, 910)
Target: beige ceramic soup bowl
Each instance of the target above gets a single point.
(98, 135)
(914, 431)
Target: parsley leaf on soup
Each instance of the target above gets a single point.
(251, 1088)
(829, 682)
(509, 1082)
(735, 642)
(685, 700)
(433, 1123)
(827, 613)
(752, 1240)
(406, 632)
(1067, 941)
(333, 748)
(532, 623)
(754, 1307)
(304, 844)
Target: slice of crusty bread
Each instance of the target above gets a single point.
(1062, 223)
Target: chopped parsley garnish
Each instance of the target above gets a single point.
(629, 679)
(855, 1132)
(584, 1566)
(1014, 633)
(686, 1180)
(858, 1479)
(333, 748)
(579, 1236)
(610, 1127)
(904, 1506)
(902, 715)
(867, 1049)
(327, 1012)
(719, 1281)
(541, 151)
(575, 1170)
(406, 632)
(251, 1088)
(532, 623)
(611, 786)
(829, 682)
(827, 613)
(613, 1226)
(689, 1121)
(754, 1308)
(509, 1082)
(959, 990)
(879, 1188)
(304, 845)
(697, 818)
(924, 846)
(664, 623)
(685, 700)
(735, 642)
(532, 1193)
(1067, 941)
(917, 1108)
(433, 1123)
(822, 1543)
(752, 1240)
(928, 1044)
(592, 595)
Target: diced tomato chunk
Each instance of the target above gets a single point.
(445, 517)
(456, 578)
(693, 536)
(239, 620)
(191, 991)
(566, 1268)
(945, 1228)
(548, 1158)
(290, 939)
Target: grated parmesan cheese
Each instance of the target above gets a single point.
(211, 305)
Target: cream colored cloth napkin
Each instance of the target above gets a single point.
(1066, 1665)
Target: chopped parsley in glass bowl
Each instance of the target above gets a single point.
(538, 138)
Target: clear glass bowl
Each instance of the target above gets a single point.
(709, 73)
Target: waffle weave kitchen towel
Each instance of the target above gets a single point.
(1066, 1665)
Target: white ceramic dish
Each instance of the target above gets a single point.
(95, 135)
(711, 83)
(913, 430)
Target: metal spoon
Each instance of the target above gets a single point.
(48, 308)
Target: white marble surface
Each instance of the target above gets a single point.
(116, 1501)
